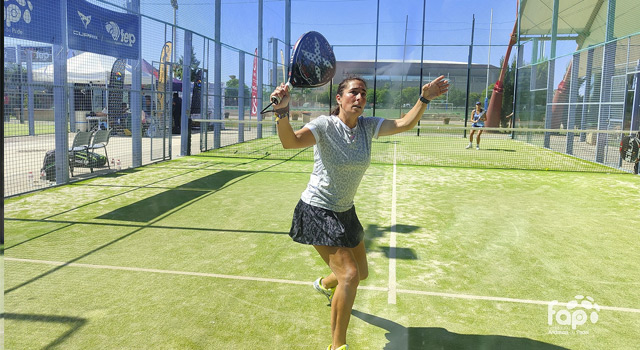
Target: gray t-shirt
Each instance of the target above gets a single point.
(341, 157)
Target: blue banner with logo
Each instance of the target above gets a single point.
(97, 29)
(37, 20)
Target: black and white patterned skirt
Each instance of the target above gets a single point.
(317, 226)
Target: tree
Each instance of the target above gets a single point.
(408, 95)
(232, 91)
(457, 97)
(195, 63)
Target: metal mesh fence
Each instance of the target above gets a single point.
(447, 145)
(56, 89)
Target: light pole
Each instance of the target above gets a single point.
(174, 3)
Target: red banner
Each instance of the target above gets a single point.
(254, 86)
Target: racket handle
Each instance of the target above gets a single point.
(275, 99)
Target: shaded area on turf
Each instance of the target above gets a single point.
(154, 206)
(374, 231)
(419, 338)
(75, 323)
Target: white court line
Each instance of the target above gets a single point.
(170, 272)
(509, 300)
(306, 283)
(391, 299)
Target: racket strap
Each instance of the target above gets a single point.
(282, 116)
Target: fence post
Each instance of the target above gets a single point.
(136, 97)
(217, 80)
(260, 69)
(241, 96)
(30, 105)
(608, 67)
(573, 99)
(60, 102)
(466, 105)
(185, 113)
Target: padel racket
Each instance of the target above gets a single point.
(312, 64)
(630, 148)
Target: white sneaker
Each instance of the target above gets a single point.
(343, 347)
(468, 146)
(478, 147)
(327, 292)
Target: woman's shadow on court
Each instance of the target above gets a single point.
(423, 338)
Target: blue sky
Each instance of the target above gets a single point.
(350, 22)
(349, 25)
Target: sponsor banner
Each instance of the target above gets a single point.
(96, 29)
(37, 20)
(38, 53)
(163, 74)
(254, 86)
(116, 85)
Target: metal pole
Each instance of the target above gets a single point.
(30, 105)
(169, 94)
(404, 54)
(608, 70)
(466, 107)
(241, 96)
(60, 102)
(519, 63)
(185, 110)
(424, 9)
(20, 91)
(287, 32)
(217, 77)
(259, 115)
(635, 110)
(548, 120)
(375, 63)
(174, 3)
(486, 91)
(136, 95)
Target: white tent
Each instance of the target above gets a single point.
(88, 67)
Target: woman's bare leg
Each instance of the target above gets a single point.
(344, 267)
(363, 269)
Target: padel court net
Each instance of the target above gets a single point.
(441, 146)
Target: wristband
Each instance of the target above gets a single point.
(281, 116)
(424, 100)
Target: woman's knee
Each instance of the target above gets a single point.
(349, 275)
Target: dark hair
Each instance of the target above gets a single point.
(336, 110)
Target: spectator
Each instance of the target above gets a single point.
(176, 112)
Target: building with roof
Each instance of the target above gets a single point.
(409, 72)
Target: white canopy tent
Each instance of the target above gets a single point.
(89, 67)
